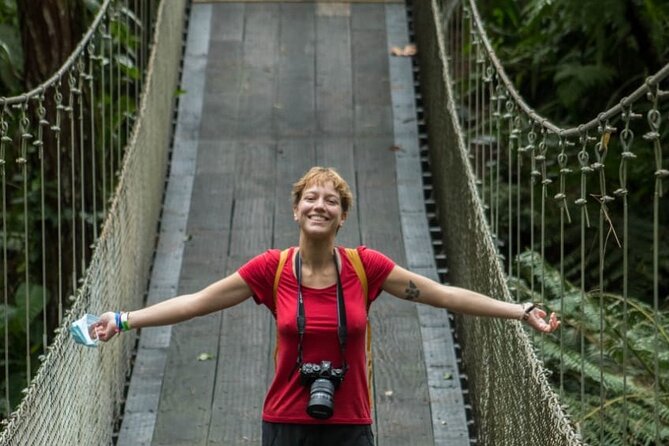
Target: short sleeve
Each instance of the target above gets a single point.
(377, 268)
(258, 273)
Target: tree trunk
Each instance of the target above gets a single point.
(50, 30)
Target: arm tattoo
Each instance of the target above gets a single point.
(412, 291)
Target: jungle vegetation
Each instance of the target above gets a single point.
(571, 60)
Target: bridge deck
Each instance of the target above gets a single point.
(270, 90)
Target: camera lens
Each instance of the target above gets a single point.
(321, 399)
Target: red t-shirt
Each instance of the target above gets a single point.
(287, 398)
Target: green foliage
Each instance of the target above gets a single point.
(573, 58)
(21, 320)
(11, 51)
(606, 347)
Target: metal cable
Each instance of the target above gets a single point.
(39, 144)
(4, 140)
(654, 119)
(22, 162)
(57, 130)
(601, 150)
(626, 138)
(90, 77)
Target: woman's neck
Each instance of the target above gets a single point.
(316, 254)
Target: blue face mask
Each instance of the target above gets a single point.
(80, 330)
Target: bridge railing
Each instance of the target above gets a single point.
(543, 214)
(83, 159)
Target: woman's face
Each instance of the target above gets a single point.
(319, 211)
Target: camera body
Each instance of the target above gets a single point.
(322, 380)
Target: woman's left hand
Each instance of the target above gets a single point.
(536, 318)
(105, 328)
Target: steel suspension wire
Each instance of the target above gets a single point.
(654, 120)
(56, 129)
(39, 144)
(4, 139)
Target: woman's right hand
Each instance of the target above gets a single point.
(105, 328)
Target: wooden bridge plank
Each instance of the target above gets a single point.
(334, 103)
(295, 103)
(402, 401)
(257, 98)
(449, 422)
(333, 71)
(224, 73)
(246, 329)
(288, 86)
(185, 410)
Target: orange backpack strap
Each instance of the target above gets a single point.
(354, 257)
(277, 275)
(277, 278)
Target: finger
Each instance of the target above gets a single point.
(554, 322)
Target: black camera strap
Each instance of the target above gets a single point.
(301, 317)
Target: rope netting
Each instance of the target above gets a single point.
(83, 160)
(542, 213)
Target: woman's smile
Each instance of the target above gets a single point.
(318, 218)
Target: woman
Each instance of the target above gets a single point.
(319, 295)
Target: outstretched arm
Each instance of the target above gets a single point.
(414, 287)
(225, 293)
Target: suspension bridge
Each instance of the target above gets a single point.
(177, 130)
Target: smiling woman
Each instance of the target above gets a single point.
(320, 295)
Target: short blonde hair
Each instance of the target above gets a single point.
(319, 176)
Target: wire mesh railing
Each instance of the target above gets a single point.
(82, 164)
(61, 147)
(579, 216)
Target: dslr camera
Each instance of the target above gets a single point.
(323, 379)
